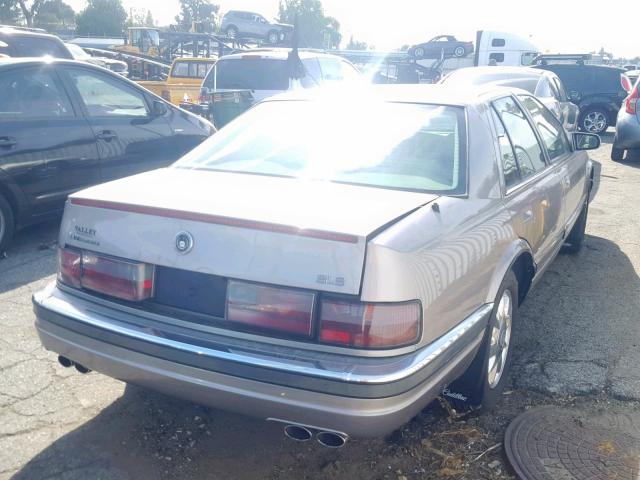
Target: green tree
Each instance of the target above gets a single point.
(53, 14)
(29, 9)
(356, 45)
(198, 11)
(148, 20)
(10, 13)
(140, 17)
(315, 30)
(102, 18)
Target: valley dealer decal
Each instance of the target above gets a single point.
(84, 235)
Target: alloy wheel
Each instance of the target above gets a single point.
(500, 339)
(594, 122)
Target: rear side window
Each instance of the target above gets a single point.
(32, 93)
(313, 75)
(529, 153)
(607, 80)
(507, 157)
(498, 42)
(250, 74)
(336, 70)
(331, 70)
(37, 47)
(573, 78)
(549, 128)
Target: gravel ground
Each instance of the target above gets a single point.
(577, 345)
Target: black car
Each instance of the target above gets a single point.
(441, 46)
(16, 42)
(66, 125)
(596, 89)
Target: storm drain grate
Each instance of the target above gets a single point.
(552, 443)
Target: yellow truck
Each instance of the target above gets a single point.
(184, 80)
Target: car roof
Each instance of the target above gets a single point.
(524, 72)
(416, 93)
(195, 59)
(276, 54)
(551, 66)
(8, 62)
(7, 32)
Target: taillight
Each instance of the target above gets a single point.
(369, 325)
(69, 267)
(115, 277)
(271, 308)
(626, 83)
(631, 102)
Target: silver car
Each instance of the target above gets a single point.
(236, 23)
(627, 125)
(328, 261)
(545, 85)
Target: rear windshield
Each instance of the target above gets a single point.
(26, 46)
(387, 145)
(250, 74)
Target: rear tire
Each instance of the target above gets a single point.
(273, 37)
(484, 381)
(594, 120)
(231, 32)
(617, 154)
(7, 225)
(575, 239)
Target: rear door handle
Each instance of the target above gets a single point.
(107, 135)
(8, 142)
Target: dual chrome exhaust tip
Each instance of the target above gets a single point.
(68, 363)
(326, 438)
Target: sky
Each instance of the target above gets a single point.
(565, 26)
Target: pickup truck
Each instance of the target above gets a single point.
(184, 80)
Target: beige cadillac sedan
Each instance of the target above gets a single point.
(329, 262)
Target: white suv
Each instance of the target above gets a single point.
(267, 72)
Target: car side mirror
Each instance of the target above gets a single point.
(586, 141)
(574, 96)
(158, 108)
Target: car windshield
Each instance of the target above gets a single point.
(250, 74)
(387, 145)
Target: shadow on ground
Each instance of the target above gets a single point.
(578, 324)
(30, 257)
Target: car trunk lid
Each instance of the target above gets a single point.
(297, 233)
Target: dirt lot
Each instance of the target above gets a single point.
(578, 343)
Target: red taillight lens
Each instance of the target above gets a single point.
(270, 308)
(107, 275)
(69, 267)
(626, 83)
(631, 102)
(364, 325)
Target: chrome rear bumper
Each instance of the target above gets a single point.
(359, 396)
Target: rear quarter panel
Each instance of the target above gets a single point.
(452, 258)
